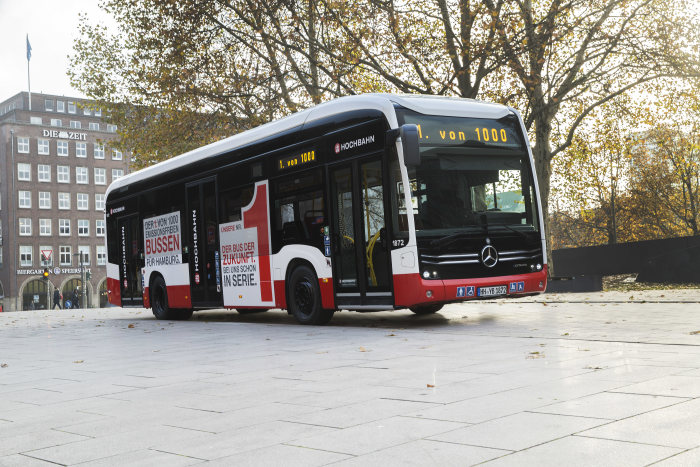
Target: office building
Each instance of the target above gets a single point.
(55, 165)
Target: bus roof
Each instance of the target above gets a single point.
(431, 105)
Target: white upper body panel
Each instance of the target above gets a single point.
(431, 105)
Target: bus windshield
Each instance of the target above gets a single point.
(474, 177)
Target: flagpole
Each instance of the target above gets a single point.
(29, 83)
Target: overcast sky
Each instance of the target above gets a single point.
(52, 26)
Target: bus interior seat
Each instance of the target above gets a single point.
(294, 232)
(313, 221)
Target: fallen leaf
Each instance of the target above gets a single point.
(694, 333)
(362, 349)
(565, 334)
(79, 361)
(3, 365)
(131, 326)
(430, 385)
(390, 335)
(544, 303)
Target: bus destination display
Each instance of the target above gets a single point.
(299, 159)
(455, 131)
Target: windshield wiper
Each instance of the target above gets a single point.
(506, 226)
(449, 238)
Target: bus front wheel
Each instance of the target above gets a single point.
(304, 297)
(159, 302)
(426, 309)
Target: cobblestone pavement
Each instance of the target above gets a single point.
(607, 379)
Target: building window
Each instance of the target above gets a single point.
(25, 256)
(111, 128)
(25, 226)
(100, 176)
(117, 155)
(80, 149)
(95, 126)
(81, 175)
(117, 174)
(36, 121)
(99, 151)
(100, 227)
(75, 124)
(56, 122)
(60, 106)
(64, 227)
(24, 172)
(82, 201)
(44, 200)
(65, 255)
(101, 252)
(84, 251)
(99, 202)
(62, 174)
(87, 111)
(98, 112)
(48, 105)
(43, 146)
(63, 200)
(71, 107)
(43, 172)
(45, 227)
(25, 199)
(23, 145)
(62, 148)
(83, 227)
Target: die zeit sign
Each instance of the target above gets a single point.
(66, 135)
(297, 160)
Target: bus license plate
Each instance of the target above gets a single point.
(491, 291)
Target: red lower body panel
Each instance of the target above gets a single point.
(178, 297)
(114, 291)
(411, 289)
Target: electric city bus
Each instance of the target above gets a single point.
(369, 202)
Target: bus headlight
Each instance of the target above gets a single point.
(426, 274)
(539, 267)
(429, 293)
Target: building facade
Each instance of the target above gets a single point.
(55, 166)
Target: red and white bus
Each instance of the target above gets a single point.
(370, 202)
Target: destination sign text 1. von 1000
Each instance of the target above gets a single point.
(297, 160)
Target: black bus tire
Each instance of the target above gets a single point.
(159, 302)
(426, 309)
(304, 297)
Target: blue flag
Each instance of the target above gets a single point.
(29, 49)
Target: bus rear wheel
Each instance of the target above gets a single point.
(304, 297)
(159, 302)
(426, 309)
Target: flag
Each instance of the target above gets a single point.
(29, 49)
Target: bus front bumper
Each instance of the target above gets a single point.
(411, 289)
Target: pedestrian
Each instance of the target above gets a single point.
(56, 299)
(76, 299)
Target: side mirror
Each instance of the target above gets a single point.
(409, 142)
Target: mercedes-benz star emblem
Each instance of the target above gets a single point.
(489, 256)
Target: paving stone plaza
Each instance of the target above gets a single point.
(605, 379)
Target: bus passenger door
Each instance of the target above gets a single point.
(203, 243)
(130, 261)
(361, 258)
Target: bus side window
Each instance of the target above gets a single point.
(232, 201)
(298, 210)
